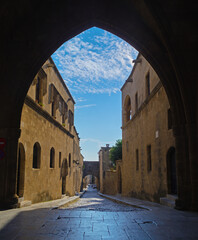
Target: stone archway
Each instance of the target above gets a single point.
(21, 170)
(171, 171)
(146, 25)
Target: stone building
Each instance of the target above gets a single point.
(148, 163)
(49, 158)
(77, 163)
(104, 165)
(110, 176)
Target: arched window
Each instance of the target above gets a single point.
(70, 160)
(127, 109)
(52, 158)
(36, 155)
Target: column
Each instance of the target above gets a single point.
(193, 164)
(8, 167)
(182, 167)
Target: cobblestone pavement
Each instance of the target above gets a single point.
(91, 201)
(93, 217)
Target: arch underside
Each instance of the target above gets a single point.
(31, 32)
(34, 45)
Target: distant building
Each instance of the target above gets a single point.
(104, 165)
(49, 159)
(148, 162)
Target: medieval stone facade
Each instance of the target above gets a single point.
(104, 166)
(49, 159)
(148, 163)
(110, 177)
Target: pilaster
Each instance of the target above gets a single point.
(8, 167)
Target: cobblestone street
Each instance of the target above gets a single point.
(93, 217)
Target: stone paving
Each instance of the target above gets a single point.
(93, 217)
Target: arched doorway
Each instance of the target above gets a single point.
(119, 180)
(171, 171)
(21, 170)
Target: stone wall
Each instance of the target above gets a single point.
(110, 182)
(147, 128)
(38, 125)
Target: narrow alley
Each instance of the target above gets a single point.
(94, 217)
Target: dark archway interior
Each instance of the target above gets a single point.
(32, 31)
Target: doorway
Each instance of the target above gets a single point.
(64, 173)
(21, 170)
(119, 180)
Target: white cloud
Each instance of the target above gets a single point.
(98, 64)
(85, 106)
(80, 99)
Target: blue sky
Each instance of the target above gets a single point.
(94, 66)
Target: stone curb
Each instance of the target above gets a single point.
(69, 200)
(114, 199)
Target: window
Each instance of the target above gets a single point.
(147, 84)
(53, 110)
(38, 88)
(52, 158)
(70, 160)
(136, 102)
(169, 119)
(36, 155)
(137, 159)
(54, 99)
(41, 86)
(71, 119)
(64, 112)
(59, 159)
(149, 162)
(127, 109)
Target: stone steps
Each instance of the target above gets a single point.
(169, 200)
(23, 203)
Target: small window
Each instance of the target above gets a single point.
(127, 109)
(36, 155)
(52, 158)
(149, 161)
(70, 160)
(170, 123)
(71, 119)
(147, 84)
(63, 119)
(59, 159)
(137, 159)
(136, 102)
(38, 86)
(53, 109)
